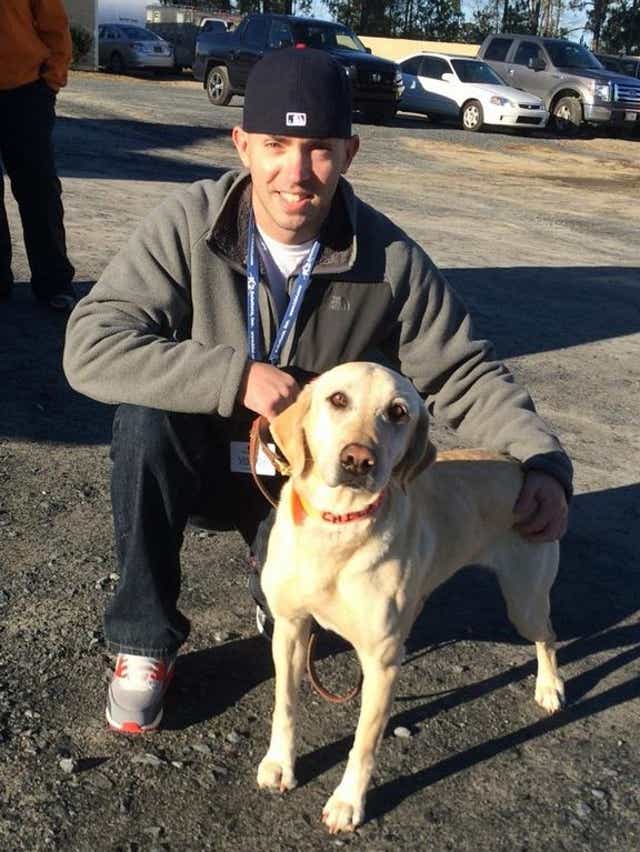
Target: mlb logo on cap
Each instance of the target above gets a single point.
(296, 119)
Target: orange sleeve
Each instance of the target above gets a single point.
(52, 25)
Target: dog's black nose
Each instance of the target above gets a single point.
(357, 459)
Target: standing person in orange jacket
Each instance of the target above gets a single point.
(35, 52)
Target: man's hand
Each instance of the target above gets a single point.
(541, 508)
(267, 390)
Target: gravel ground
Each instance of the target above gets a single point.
(540, 237)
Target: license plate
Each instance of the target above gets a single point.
(630, 115)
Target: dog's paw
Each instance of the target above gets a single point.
(341, 815)
(273, 775)
(550, 694)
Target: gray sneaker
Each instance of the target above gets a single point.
(136, 693)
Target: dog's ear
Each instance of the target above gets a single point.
(420, 453)
(288, 432)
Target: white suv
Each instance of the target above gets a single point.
(468, 90)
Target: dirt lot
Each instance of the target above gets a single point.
(540, 236)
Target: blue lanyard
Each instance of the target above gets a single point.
(293, 308)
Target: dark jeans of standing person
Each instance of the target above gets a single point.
(167, 468)
(27, 116)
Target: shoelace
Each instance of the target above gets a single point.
(140, 672)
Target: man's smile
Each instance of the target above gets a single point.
(294, 202)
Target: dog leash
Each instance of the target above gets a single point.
(259, 440)
(332, 697)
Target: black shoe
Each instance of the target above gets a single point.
(63, 301)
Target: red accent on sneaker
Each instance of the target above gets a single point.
(121, 667)
(160, 672)
(130, 728)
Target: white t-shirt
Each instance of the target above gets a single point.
(281, 260)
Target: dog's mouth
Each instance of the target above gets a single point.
(356, 482)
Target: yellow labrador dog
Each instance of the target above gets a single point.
(366, 528)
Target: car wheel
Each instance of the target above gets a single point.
(567, 116)
(472, 116)
(116, 64)
(218, 86)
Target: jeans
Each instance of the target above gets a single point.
(27, 116)
(166, 468)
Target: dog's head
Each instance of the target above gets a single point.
(357, 425)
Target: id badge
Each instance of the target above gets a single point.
(239, 459)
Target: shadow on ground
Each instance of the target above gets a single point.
(211, 680)
(133, 150)
(596, 590)
(557, 308)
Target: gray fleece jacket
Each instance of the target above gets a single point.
(165, 326)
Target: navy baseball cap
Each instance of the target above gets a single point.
(298, 91)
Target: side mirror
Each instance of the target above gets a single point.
(447, 77)
(537, 64)
(367, 49)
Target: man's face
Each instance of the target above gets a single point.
(294, 180)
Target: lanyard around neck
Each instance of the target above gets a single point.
(293, 308)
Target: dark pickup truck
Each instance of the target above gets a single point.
(223, 60)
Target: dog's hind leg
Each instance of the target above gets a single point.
(345, 808)
(526, 572)
(290, 638)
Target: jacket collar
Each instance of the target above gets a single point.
(228, 234)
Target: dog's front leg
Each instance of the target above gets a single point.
(345, 808)
(289, 644)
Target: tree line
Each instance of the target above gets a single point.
(614, 24)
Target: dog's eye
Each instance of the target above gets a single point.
(338, 400)
(397, 412)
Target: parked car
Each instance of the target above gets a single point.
(223, 60)
(629, 65)
(467, 90)
(126, 47)
(574, 85)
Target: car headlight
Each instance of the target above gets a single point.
(602, 91)
(498, 101)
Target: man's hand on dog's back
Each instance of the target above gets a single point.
(267, 390)
(541, 508)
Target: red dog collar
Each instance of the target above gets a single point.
(301, 508)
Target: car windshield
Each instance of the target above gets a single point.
(316, 35)
(569, 55)
(472, 71)
(138, 34)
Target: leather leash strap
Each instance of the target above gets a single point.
(315, 680)
(259, 439)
